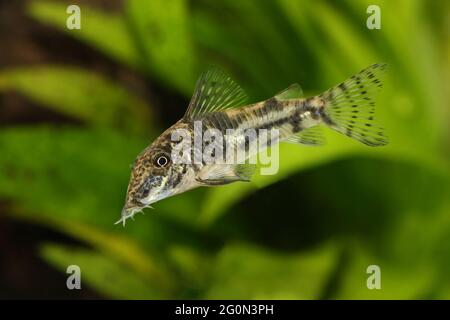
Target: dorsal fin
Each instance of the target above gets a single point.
(214, 91)
(294, 91)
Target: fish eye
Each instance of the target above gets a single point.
(161, 161)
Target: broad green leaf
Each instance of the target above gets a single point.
(345, 40)
(410, 281)
(194, 267)
(81, 94)
(213, 36)
(244, 272)
(161, 31)
(421, 236)
(416, 98)
(106, 32)
(216, 31)
(292, 158)
(297, 14)
(423, 78)
(400, 226)
(102, 272)
(82, 175)
(121, 247)
(263, 29)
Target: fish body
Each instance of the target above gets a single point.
(217, 106)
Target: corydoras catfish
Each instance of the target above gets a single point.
(218, 104)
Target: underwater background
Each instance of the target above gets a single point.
(77, 106)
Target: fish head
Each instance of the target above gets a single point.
(155, 176)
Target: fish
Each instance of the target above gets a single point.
(218, 103)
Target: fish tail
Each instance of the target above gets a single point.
(349, 107)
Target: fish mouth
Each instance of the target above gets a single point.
(129, 212)
(131, 208)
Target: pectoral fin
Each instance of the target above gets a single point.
(221, 174)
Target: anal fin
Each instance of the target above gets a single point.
(312, 136)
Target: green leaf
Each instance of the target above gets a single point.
(243, 272)
(74, 173)
(102, 272)
(294, 159)
(82, 175)
(411, 81)
(408, 281)
(215, 36)
(81, 94)
(121, 247)
(106, 32)
(161, 31)
(263, 29)
(220, 199)
(302, 21)
(345, 40)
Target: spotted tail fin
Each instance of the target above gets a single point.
(350, 106)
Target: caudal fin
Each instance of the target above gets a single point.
(350, 106)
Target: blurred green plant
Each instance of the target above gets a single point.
(205, 243)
